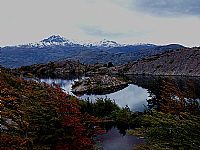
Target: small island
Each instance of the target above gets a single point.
(99, 84)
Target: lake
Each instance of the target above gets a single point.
(135, 96)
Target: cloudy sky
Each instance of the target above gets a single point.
(125, 21)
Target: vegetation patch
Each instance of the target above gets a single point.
(40, 116)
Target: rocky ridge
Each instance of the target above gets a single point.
(59, 69)
(180, 62)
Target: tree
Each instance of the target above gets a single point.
(110, 64)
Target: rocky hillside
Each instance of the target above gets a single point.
(181, 62)
(58, 69)
(64, 69)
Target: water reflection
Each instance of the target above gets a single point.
(153, 83)
(133, 96)
(66, 85)
(177, 89)
(113, 140)
(142, 87)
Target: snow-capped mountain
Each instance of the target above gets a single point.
(56, 47)
(104, 44)
(143, 44)
(107, 43)
(55, 40)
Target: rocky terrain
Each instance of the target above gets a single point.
(59, 69)
(64, 69)
(100, 78)
(98, 84)
(184, 61)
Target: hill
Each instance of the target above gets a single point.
(184, 61)
(57, 69)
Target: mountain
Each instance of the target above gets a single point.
(57, 40)
(53, 41)
(185, 61)
(104, 44)
(57, 48)
(123, 54)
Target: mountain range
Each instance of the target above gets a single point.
(58, 48)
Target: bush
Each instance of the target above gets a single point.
(40, 116)
(100, 108)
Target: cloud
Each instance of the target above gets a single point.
(96, 31)
(126, 21)
(168, 8)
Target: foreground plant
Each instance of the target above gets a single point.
(174, 124)
(40, 116)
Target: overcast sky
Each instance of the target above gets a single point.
(125, 21)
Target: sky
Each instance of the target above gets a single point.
(125, 21)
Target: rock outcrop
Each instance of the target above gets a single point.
(58, 69)
(98, 84)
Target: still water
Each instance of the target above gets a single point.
(113, 140)
(133, 96)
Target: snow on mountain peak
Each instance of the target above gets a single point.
(107, 43)
(104, 43)
(54, 38)
(144, 44)
(57, 40)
